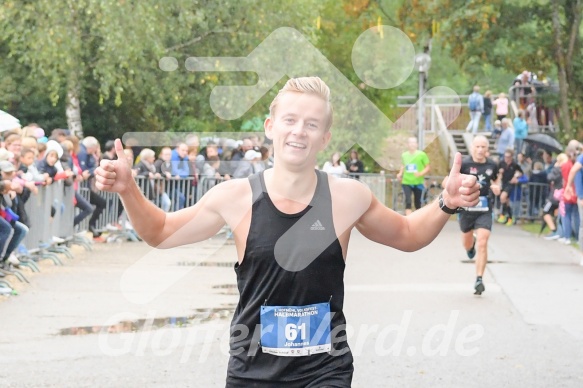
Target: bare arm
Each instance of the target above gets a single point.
(400, 173)
(424, 171)
(385, 226)
(157, 228)
(574, 170)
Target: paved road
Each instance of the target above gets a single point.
(413, 319)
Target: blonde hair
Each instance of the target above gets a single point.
(147, 153)
(29, 142)
(29, 130)
(310, 85)
(562, 158)
(11, 139)
(67, 145)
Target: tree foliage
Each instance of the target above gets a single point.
(111, 49)
(507, 34)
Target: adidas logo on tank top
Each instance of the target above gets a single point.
(317, 226)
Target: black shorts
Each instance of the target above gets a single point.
(550, 207)
(508, 188)
(475, 220)
(336, 379)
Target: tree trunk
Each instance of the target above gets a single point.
(562, 72)
(573, 48)
(74, 112)
(573, 29)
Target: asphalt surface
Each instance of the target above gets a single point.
(413, 319)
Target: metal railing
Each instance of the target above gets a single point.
(50, 213)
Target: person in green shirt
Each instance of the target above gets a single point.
(412, 172)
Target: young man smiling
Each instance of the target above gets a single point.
(291, 227)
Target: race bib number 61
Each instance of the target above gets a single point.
(295, 330)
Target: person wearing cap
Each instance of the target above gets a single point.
(246, 167)
(292, 227)
(51, 164)
(8, 172)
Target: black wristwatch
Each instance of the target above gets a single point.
(445, 208)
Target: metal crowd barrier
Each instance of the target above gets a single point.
(112, 219)
(205, 184)
(377, 183)
(527, 200)
(169, 194)
(55, 199)
(431, 190)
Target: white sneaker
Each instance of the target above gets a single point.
(12, 259)
(57, 240)
(564, 240)
(5, 290)
(128, 225)
(111, 228)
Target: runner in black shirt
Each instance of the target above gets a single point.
(291, 226)
(479, 218)
(510, 172)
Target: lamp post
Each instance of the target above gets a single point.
(422, 64)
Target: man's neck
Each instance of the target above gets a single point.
(298, 186)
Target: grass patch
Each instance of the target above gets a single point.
(532, 227)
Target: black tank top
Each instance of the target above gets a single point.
(289, 260)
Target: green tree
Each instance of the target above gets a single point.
(510, 34)
(101, 57)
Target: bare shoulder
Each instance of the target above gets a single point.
(228, 195)
(351, 199)
(351, 190)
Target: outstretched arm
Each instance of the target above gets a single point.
(154, 226)
(417, 230)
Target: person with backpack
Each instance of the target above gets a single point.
(476, 106)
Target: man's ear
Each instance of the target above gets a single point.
(268, 126)
(325, 140)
